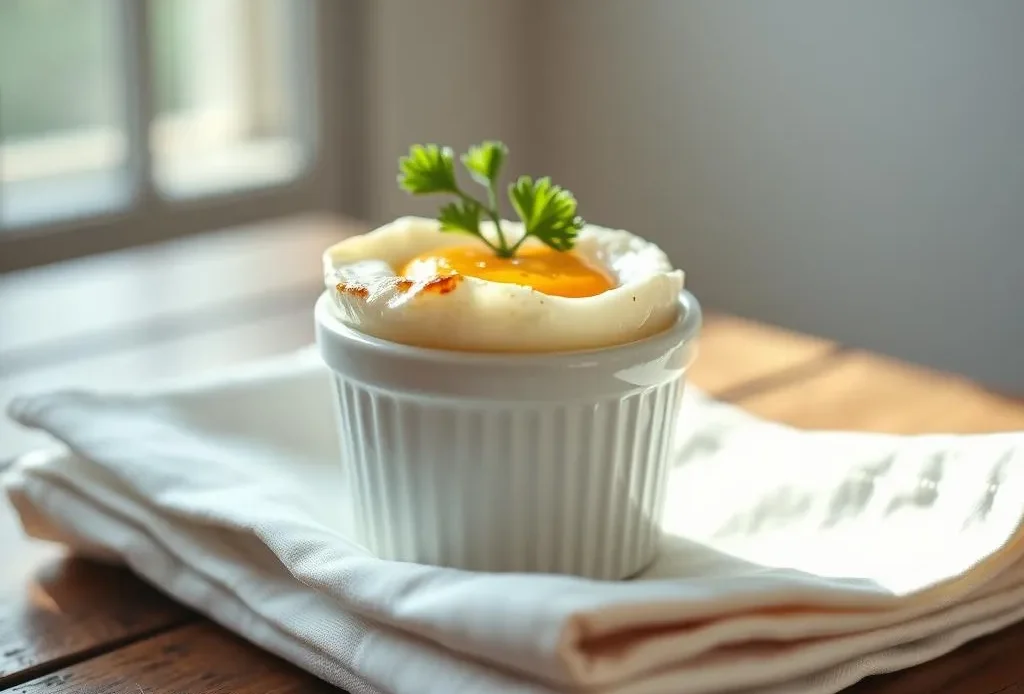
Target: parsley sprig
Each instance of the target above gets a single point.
(548, 211)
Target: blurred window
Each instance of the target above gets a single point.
(224, 116)
(62, 112)
(143, 107)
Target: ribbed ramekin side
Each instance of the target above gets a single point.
(571, 487)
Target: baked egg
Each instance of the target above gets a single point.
(412, 283)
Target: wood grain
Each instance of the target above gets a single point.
(92, 305)
(69, 609)
(55, 610)
(193, 659)
(174, 357)
(738, 354)
(865, 392)
(989, 665)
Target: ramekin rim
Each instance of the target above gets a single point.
(685, 329)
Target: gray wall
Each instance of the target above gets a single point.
(854, 168)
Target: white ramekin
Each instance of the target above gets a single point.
(552, 463)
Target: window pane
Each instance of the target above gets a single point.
(63, 145)
(224, 87)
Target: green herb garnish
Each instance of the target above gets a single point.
(548, 211)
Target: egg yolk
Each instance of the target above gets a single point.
(548, 271)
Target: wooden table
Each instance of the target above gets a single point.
(68, 625)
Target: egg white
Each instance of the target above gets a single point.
(484, 316)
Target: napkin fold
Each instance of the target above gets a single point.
(793, 561)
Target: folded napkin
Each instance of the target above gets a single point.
(793, 561)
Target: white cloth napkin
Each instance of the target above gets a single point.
(793, 562)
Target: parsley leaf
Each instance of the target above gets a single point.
(427, 169)
(484, 161)
(548, 212)
(461, 216)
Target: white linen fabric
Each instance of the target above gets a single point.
(793, 561)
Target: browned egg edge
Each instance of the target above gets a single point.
(436, 285)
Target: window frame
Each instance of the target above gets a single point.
(329, 183)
